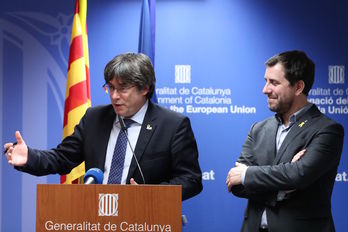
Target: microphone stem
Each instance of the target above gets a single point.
(124, 130)
(136, 160)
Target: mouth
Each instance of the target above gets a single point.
(271, 98)
(117, 105)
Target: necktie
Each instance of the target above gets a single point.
(117, 162)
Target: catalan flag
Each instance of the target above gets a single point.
(147, 32)
(77, 96)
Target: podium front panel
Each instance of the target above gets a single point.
(108, 208)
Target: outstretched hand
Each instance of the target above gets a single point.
(17, 154)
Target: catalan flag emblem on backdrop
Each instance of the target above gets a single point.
(77, 96)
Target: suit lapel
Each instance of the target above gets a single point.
(147, 129)
(301, 125)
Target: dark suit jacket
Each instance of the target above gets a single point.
(308, 208)
(167, 153)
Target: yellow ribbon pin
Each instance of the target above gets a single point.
(302, 123)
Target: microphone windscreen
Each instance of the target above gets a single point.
(96, 174)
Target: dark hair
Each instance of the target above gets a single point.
(297, 66)
(133, 69)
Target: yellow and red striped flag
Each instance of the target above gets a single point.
(77, 96)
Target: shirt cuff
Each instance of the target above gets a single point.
(243, 175)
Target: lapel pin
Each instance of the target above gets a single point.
(148, 127)
(302, 123)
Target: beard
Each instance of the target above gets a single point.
(280, 106)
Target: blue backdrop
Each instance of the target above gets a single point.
(209, 66)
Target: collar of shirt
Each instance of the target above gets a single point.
(293, 118)
(284, 130)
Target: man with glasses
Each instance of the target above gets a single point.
(165, 150)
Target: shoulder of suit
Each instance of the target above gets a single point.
(323, 119)
(327, 122)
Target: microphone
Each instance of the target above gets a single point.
(93, 176)
(124, 129)
(184, 220)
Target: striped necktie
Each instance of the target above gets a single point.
(118, 157)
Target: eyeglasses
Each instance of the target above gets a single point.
(121, 90)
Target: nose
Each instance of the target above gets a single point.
(114, 94)
(266, 89)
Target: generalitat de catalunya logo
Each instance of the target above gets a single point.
(336, 74)
(108, 204)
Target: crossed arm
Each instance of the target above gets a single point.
(321, 155)
(234, 176)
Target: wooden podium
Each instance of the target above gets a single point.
(108, 208)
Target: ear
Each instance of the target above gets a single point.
(300, 85)
(145, 91)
